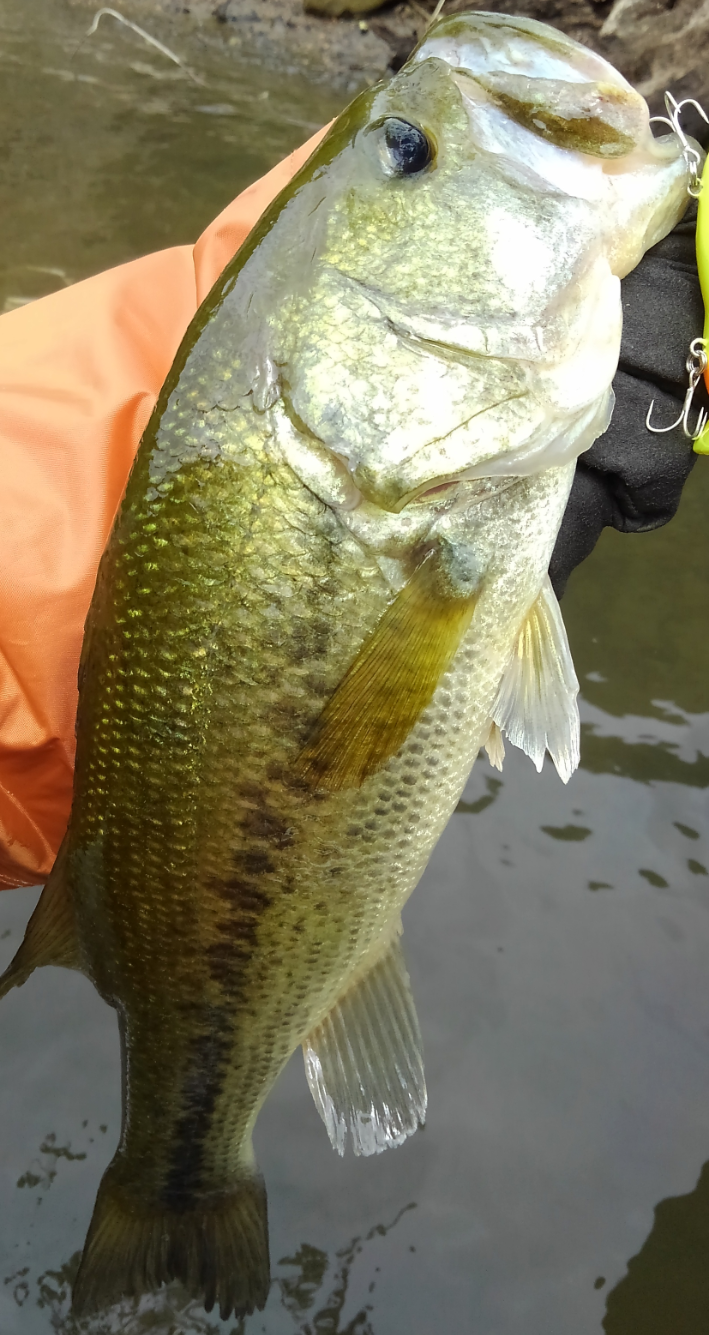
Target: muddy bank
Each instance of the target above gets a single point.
(656, 43)
(345, 53)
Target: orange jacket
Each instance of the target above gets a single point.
(79, 374)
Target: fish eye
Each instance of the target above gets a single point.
(408, 149)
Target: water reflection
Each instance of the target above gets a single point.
(666, 1288)
(43, 1171)
(647, 762)
(568, 834)
(312, 1289)
(492, 789)
(298, 1292)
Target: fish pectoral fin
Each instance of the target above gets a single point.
(536, 703)
(364, 1063)
(51, 935)
(390, 683)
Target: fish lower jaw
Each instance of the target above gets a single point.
(395, 513)
(574, 435)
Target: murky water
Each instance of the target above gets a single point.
(109, 150)
(558, 943)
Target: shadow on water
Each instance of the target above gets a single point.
(313, 1290)
(666, 1288)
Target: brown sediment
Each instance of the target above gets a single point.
(346, 53)
(656, 44)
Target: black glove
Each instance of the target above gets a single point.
(630, 479)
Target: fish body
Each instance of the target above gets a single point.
(325, 589)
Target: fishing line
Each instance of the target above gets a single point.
(146, 36)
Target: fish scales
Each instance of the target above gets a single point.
(325, 590)
(254, 889)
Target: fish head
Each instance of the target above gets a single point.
(453, 253)
(536, 96)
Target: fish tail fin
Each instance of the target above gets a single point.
(218, 1248)
(51, 935)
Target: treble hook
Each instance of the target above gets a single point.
(696, 366)
(692, 156)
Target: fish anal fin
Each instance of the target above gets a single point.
(218, 1249)
(389, 684)
(495, 746)
(364, 1062)
(51, 935)
(536, 705)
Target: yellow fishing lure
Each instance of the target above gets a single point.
(701, 444)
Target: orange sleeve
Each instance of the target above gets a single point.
(79, 374)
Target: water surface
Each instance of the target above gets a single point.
(558, 943)
(109, 150)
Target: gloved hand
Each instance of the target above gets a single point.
(79, 374)
(630, 479)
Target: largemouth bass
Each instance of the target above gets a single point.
(325, 590)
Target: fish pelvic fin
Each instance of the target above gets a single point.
(217, 1247)
(364, 1062)
(51, 935)
(389, 684)
(536, 703)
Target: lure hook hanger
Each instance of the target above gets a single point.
(692, 156)
(696, 364)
